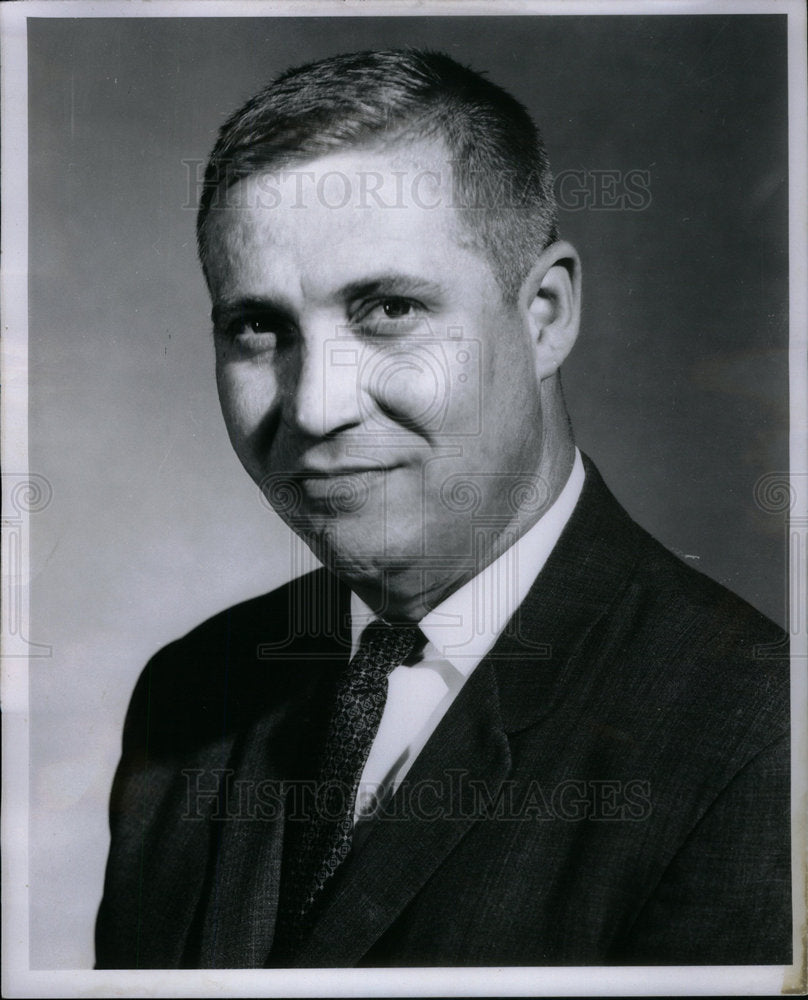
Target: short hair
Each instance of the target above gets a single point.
(501, 180)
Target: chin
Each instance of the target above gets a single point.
(360, 551)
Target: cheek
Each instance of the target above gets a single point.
(248, 394)
(423, 386)
(509, 369)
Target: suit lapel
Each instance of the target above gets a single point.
(589, 568)
(426, 822)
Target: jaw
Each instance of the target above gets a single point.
(393, 571)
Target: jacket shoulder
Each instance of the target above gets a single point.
(689, 668)
(635, 634)
(214, 679)
(680, 616)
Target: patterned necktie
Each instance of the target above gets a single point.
(326, 839)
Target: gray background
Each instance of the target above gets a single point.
(677, 388)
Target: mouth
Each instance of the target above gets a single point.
(345, 488)
(316, 472)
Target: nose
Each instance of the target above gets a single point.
(327, 396)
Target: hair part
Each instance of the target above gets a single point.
(501, 180)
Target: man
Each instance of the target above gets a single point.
(501, 726)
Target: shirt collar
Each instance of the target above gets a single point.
(466, 625)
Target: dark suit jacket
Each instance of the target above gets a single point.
(611, 786)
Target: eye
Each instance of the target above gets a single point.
(260, 324)
(391, 311)
(252, 328)
(396, 308)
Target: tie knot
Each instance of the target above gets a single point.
(389, 642)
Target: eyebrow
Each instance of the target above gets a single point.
(388, 283)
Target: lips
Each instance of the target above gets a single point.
(336, 471)
(341, 489)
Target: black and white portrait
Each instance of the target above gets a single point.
(404, 496)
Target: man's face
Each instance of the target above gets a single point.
(373, 381)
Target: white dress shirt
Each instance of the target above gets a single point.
(459, 632)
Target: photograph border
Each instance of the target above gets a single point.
(22, 493)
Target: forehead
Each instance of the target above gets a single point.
(331, 218)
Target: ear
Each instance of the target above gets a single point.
(550, 300)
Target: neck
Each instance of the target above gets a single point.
(409, 592)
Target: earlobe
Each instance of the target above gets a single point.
(552, 303)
